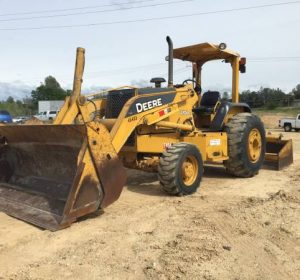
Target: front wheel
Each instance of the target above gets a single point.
(180, 169)
(246, 145)
(287, 128)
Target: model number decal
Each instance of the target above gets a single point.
(145, 106)
(132, 119)
(215, 142)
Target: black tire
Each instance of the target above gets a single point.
(297, 129)
(238, 130)
(287, 128)
(170, 172)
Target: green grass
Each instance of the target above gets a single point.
(288, 111)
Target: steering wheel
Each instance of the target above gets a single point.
(197, 86)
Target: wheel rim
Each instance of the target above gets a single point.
(254, 145)
(189, 170)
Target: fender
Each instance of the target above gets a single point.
(222, 112)
(287, 123)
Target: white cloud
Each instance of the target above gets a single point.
(17, 89)
(140, 83)
(93, 89)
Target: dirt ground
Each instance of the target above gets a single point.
(271, 120)
(230, 229)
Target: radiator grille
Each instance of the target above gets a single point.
(116, 99)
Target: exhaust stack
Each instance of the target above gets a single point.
(170, 60)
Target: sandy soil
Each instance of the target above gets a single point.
(230, 229)
(271, 120)
(33, 121)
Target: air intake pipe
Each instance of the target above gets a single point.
(170, 60)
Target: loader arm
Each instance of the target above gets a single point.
(166, 114)
(77, 105)
(70, 109)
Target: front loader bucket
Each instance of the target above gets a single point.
(279, 152)
(52, 174)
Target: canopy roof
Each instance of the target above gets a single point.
(203, 52)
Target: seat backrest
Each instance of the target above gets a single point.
(210, 98)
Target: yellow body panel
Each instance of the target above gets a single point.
(185, 99)
(212, 145)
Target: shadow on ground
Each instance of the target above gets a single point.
(144, 183)
(148, 184)
(216, 171)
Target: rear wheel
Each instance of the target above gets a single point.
(180, 169)
(287, 128)
(246, 145)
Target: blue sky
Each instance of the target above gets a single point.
(132, 53)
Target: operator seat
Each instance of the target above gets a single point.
(208, 101)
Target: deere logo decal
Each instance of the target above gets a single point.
(141, 107)
(145, 103)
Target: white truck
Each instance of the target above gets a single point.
(46, 115)
(289, 124)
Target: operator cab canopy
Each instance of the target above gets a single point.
(201, 53)
(204, 52)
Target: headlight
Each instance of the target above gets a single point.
(222, 46)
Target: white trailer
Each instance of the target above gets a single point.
(50, 105)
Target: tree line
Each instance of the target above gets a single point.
(270, 98)
(50, 89)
